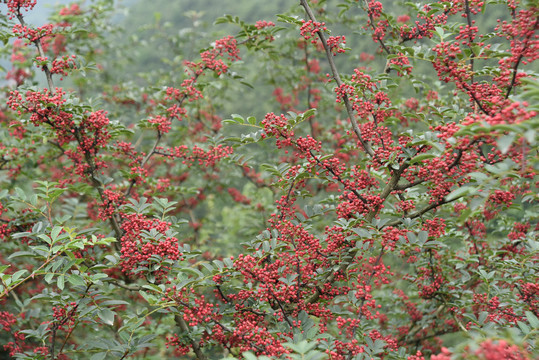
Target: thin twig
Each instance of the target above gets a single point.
(127, 287)
(469, 20)
(39, 47)
(144, 161)
(517, 63)
(423, 211)
(371, 18)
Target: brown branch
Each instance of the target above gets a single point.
(127, 287)
(339, 179)
(39, 47)
(281, 307)
(366, 146)
(73, 311)
(469, 20)
(97, 184)
(474, 97)
(422, 211)
(196, 347)
(514, 78)
(222, 294)
(418, 327)
(353, 252)
(401, 187)
(32, 275)
(89, 160)
(386, 49)
(144, 161)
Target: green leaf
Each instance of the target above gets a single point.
(249, 356)
(532, 319)
(150, 299)
(17, 275)
(45, 238)
(21, 254)
(55, 232)
(421, 157)
(238, 119)
(440, 31)
(99, 356)
(289, 19)
(20, 193)
(525, 328)
(505, 142)
(192, 271)
(48, 278)
(76, 280)
(60, 282)
(465, 190)
(478, 176)
(106, 315)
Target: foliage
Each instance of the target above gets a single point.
(383, 206)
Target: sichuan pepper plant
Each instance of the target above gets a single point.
(386, 208)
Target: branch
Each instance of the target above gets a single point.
(423, 211)
(281, 307)
(196, 347)
(514, 78)
(37, 43)
(73, 311)
(127, 287)
(401, 187)
(377, 36)
(353, 252)
(32, 275)
(469, 20)
(97, 184)
(418, 327)
(474, 97)
(144, 161)
(366, 146)
(339, 179)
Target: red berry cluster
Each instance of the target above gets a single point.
(205, 158)
(7, 319)
(162, 123)
(14, 6)
(112, 200)
(238, 197)
(402, 64)
(500, 350)
(146, 240)
(309, 29)
(212, 59)
(261, 24)
(336, 44)
(24, 32)
(63, 64)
